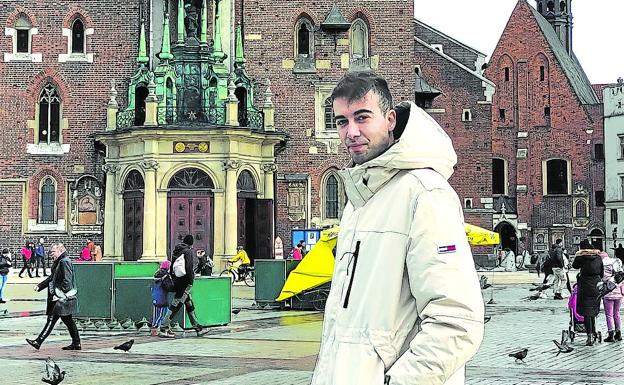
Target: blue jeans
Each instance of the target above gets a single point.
(3, 280)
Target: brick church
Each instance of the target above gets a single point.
(212, 117)
(547, 134)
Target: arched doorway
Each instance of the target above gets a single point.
(190, 209)
(508, 236)
(596, 237)
(133, 216)
(241, 95)
(246, 197)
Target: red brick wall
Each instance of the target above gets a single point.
(83, 88)
(391, 38)
(523, 48)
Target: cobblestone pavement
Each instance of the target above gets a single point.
(271, 347)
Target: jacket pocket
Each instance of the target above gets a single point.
(357, 364)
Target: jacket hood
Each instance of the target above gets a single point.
(422, 144)
(179, 248)
(588, 253)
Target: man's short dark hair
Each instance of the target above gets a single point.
(558, 241)
(355, 85)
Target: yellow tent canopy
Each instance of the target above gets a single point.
(478, 236)
(315, 269)
(318, 265)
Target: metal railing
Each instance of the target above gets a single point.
(252, 118)
(125, 119)
(170, 115)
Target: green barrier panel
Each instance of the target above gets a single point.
(211, 297)
(270, 278)
(136, 269)
(94, 282)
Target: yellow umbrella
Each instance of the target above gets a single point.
(478, 236)
(315, 269)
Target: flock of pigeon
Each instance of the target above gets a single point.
(54, 374)
(562, 347)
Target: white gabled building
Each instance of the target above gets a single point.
(613, 98)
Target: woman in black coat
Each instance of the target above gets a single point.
(589, 262)
(62, 302)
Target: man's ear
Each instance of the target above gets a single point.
(391, 117)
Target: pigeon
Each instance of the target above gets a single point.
(535, 296)
(520, 355)
(126, 346)
(54, 374)
(236, 311)
(563, 347)
(541, 287)
(487, 319)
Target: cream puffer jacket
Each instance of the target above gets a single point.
(405, 305)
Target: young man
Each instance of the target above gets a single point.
(558, 268)
(405, 306)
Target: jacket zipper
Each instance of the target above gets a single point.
(355, 259)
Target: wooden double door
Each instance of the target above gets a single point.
(133, 225)
(255, 227)
(190, 213)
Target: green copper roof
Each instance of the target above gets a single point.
(203, 38)
(422, 87)
(335, 21)
(569, 63)
(180, 21)
(165, 52)
(240, 53)
(142, 58)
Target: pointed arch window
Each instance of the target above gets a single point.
(359, 39)
(49, 115)
(304, 38)
(78, 37)
(22, 40)
(331, 197)
(47, 201)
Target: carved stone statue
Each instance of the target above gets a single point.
(191, 20)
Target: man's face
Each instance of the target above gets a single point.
(56, 251)
(363, 128)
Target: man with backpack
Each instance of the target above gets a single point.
(183, 273)
(558, 267)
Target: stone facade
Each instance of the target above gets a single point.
(545, 109)
(613, 98)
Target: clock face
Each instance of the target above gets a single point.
(203, 147)
(180, 147)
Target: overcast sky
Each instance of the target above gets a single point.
(598, 33)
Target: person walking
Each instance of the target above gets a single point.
(296, 253)
(160, 296)
(183, 273)
(61, 300)
(612, 300)
(5, 267)
(558, 268)
(619, 252)
(405, 305)
(27, 254)
(40, 258)
(588, 261)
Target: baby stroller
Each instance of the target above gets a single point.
(576, 325)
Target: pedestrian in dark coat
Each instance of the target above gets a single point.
(619, 253)
(588, 260)
(61, 301)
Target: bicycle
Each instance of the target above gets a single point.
(247, 276)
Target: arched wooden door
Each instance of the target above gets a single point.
(133, 216)
(190, 209)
